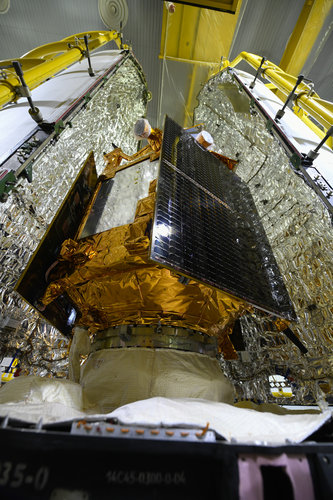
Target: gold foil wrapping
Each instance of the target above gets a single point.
(24, 217)
(111, 280)
(113, 159)
(299, 230)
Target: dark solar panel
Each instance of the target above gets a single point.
(206, 226)
(32, 283)
(91, 226)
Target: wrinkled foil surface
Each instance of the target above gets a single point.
(129, 185)
(299, 230)
(108, 118)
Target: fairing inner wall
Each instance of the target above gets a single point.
(299, 230)
(108, 118)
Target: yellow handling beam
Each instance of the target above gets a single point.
(305, 34)
(198, 37)
(44, 62)
(309, 101)
(229, 6)
(190, 61)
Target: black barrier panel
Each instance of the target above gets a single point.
(54, 464)
(206, 226)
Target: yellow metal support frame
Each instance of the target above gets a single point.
(198, 37)
(229, 6)
(306, 102)
(45, 61)
(306, 31)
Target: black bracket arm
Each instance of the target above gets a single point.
(281, 111)
(258, 73)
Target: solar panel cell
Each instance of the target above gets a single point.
(206, 226)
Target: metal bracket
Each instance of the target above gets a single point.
(59, 127)
(87, 54)
(269, 125)
(313, 154)
(6, 184)
(295, 161)
(87, 97)
(183, 280)
(125, 333)
(258, 73)
(27, 172)
(290, 97)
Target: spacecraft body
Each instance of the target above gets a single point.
(159, 281)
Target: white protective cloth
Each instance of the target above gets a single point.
(111, 378)
(31, 398)
(238, 424)
(80, 346)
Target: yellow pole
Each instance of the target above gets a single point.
(190, 61)
(188, 115)
(45, 61)
(306, 31)
(319, 109)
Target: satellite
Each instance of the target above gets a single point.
(201, 226)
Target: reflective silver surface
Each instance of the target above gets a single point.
(299, 230)
(108, 118)
(118, 206)
(166, 337)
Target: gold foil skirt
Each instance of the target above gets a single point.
(111, 281)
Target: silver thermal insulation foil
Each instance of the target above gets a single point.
(108, 118)
(299, 230)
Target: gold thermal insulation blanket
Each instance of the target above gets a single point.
(152, 151)
(110, 279)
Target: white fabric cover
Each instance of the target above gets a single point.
(31, 398)
(113, 377)
(80, 346)
(238, 424)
